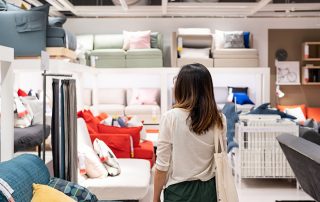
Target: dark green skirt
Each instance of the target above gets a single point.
(191, 191)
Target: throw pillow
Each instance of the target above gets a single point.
(314, 113)
(154, 39)
(57, 21)
(44, 8)
(296, 112)
(238, 89)
(36, 107)
(233, 40)
(246, 39)
(73, 190)
(144, 96)
(135, 36)
(242, 98)
(303, 108)
(48, 194)
(219, 39)
(21, 93)
(140, 41)
(133, 131)
(3, 5)
(90, 120)
(107, 157)
(94, 167)
(102, 116)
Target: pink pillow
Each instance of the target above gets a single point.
(136, 40)
(144, 96)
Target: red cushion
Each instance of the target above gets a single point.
(118, 143)
(22, 93)
(144, 151)
(303, 108)
(313, 113)
(102, 116)
(91, 121)
(133, 131)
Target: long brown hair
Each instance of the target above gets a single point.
(193, 91)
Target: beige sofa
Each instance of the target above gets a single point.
(116, 102)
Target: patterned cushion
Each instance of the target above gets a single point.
(75, 191)
(233, 40)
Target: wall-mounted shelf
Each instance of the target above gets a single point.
(311, 75)
(311, 51)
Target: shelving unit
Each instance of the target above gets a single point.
(311, 72)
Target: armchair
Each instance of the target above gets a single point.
(25, 31)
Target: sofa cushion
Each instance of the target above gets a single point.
(154, 39)
(44, 192)
(57, 21)
(111, 109)
(235, 53)
(3, 5)
(131, 184)
(55, 42)
(143, 96)
(55, 32)
(303, 108)
(144, 53)
(111, 96)
(144, 151)
(108, 41)
(313, 113)
(142, 109)
(109, 53)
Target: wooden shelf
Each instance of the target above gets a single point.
(311, 52)
(311, 83)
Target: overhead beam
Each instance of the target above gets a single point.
(292, 7)
(259, 6)
(68, 6)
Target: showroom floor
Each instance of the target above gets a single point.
(270, 190)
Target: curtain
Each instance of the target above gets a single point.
(64, 130)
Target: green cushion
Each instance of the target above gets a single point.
(108, 41)
(144, 53)
(109, 53)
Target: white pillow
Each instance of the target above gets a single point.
(127, 36)
(107, 157)
(219, 39)
(94, 167)
(296, 112)
(195, 53)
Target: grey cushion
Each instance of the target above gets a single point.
(154, 39)
(55, 32)
(3, 5)
(233, 40)
(71, 41)
(55, 42)
(12, 7)
(44, 8)
(29, 137)
(57, 21)
(29, 23)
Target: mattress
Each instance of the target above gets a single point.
(131, 184)
(236, 62)
(25, 138)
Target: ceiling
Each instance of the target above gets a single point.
(181, 8)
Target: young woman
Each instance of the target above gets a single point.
(185, 153)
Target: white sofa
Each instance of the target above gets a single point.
(116, 102)
(244, 57)
(133, 183)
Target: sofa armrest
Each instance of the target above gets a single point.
(120, 144)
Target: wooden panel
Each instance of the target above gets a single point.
(291, 40)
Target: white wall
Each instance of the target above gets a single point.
(258, 26)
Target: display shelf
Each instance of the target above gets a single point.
(311, 73)
(311, 51)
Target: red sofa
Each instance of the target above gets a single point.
(125, 143)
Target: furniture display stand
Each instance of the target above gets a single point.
(311, 70)
(259, 154)
(7, 120)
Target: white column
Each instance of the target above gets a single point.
(7, 135)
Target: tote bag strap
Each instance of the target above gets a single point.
(218, 141)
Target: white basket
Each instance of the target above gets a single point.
(259, 154)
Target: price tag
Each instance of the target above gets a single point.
(44, 61)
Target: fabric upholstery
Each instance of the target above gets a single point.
(111, 109)
(46, 193)
(143, 96)
(85, 42)
(131, 184)
(108, 41)
(235, 53)
(26, 138)
(143, 53)
(111, 96)
(57, 21)
(55, 42)
(142, 110)
(303, 108)
(265, 109)
(55, 32)
(22, 177)
(303, 157)
(3, 5)
(145, 151)
(313, 113)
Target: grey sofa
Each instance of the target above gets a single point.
(302, 154)
(25, 31)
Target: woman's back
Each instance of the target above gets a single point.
(192, 154)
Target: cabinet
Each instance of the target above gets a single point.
(311, 61)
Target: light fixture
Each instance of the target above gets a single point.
(280, 94)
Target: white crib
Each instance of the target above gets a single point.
(259, 154)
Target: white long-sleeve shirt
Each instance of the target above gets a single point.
(184, 154)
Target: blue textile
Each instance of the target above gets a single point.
(229, 110)
(264, 109)
(246, 39)
(20, 173)
(242, 98)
